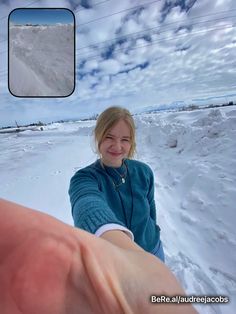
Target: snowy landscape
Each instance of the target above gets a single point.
(192, 154)
(146, 56)
(41, 60)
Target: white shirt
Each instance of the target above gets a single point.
(112, 226)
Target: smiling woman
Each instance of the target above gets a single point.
(115, 136)
(113, 198)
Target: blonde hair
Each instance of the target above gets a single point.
(107, 119)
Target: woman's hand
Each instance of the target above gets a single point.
(49, 267)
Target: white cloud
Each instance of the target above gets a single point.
(222, 3)
(91, 65)
(110, 66)
(176, 16)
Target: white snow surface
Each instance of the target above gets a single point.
(193, 156)
(41, 60)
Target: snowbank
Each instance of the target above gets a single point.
(41, 60)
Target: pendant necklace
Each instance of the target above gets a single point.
(122, 176)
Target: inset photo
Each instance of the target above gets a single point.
(41, 52)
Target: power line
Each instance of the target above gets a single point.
(135, 7)
(160, 32)
(26, 6)
(106, 16)
(125, 36)
(164, 40)
(176, 36)
(149, 29)
(81, 9)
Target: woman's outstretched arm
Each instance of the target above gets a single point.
(49, 267)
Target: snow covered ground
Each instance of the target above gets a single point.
(41, 60)
(193, 156)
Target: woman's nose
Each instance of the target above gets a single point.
(117, 144)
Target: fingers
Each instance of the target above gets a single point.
(132, 276)
(50, 267)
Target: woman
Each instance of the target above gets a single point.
(113, 198)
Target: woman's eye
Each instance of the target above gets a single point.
(125, 140)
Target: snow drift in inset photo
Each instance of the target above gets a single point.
(41, 60)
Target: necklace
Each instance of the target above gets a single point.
(122, 176)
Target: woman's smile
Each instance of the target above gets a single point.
(114, 153)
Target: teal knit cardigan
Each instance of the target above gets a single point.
(98, 197)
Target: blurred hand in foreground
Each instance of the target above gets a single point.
(49, 267)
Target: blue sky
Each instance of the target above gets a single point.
(136, 54)
(41, 16)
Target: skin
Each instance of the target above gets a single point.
(49, 267)
(116, 144)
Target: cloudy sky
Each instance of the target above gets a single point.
(136, 54)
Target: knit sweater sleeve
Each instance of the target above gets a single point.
(150, 196)
(90, 210)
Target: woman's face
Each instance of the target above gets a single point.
(116, 144)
